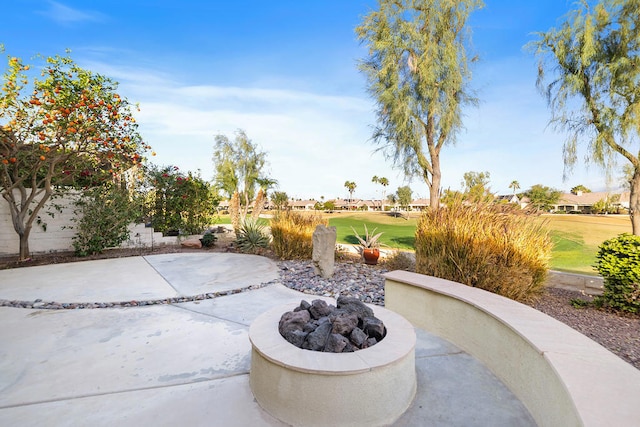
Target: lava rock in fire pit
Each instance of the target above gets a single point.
(344, 323)
(317, 340)
(319, 309)
(373, 327)
(354, 305)
(322, 327)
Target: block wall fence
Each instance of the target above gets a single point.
(58, 236)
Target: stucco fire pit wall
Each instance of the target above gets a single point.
(369, 387)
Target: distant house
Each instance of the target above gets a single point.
(368, 205)
(507, 198)
(341, 204)
(375, 205)
(419, 204)
(524, 202)
(346, 204)
(583, 202)
(302, 205)
(624, 199)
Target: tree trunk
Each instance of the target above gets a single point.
(22, 230)
(24, 245)
(634, 202)
(434, 187)
(245, 211)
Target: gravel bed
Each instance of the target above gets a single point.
(619, 333)
(353, 279)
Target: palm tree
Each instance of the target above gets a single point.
(376, 180)
(382, 181)
(385, 183)
(515, 185)
(351, 187)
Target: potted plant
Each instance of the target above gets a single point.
(369, 245)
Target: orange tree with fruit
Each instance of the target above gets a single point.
(64, 129)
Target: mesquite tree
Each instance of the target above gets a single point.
(418, 73)
(589, 72)
(58, 131)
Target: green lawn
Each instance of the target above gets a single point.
(226, 219)
(576, 237)
(398, 232)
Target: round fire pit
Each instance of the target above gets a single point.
(369, 387)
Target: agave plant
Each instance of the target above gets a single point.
(369, 240)
(251, 236)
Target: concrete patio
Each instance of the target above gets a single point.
(186, 363)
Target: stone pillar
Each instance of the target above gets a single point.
(324, 247)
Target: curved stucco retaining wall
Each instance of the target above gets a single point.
(370, 387)
(561, 376)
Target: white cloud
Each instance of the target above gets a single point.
(65, 15)
(315, 142)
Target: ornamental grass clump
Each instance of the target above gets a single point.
(485, 246)
(618, 262)
(399, 260)
(293, 234)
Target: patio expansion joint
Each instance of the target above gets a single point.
(182, 307)
(163, 278)
(89, 395)
(431, 356)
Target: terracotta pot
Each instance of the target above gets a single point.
(371, 255)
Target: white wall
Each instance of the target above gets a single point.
(56, 238)
(59, 234)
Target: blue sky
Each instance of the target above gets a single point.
(285, 72)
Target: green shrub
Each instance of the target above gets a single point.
(208, 239)
(485, 246)
(177, 201)
(579, 303)
(293, 233)
(251, 237)
(618, 262)
(103, 217)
